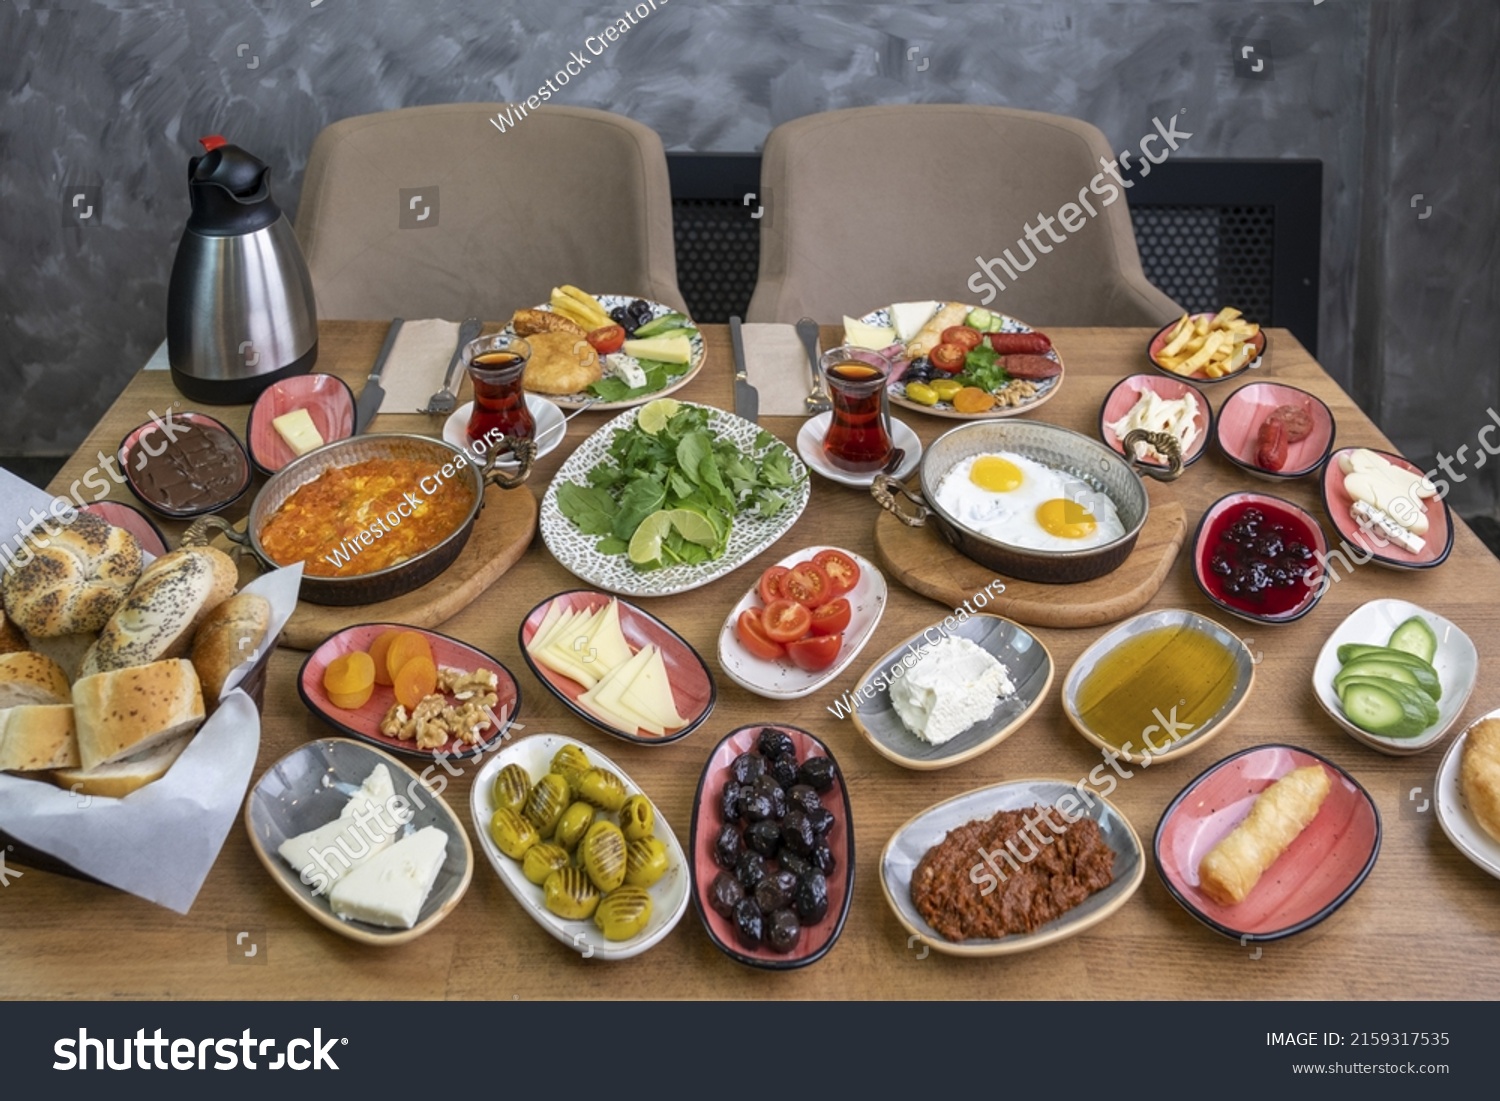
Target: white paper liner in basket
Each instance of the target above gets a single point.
(157, 843)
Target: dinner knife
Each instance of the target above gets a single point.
(373, 393)
(746, 396)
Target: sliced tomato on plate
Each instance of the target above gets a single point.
(948, 358)
(610, 338)
(808, 585)
(842, 570)
(831, 618)
(964, 336)
(785, 621)
(816, 652)
(753, 637)
(769, 587)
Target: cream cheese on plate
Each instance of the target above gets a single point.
(953, 685)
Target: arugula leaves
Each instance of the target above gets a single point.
(684, 466)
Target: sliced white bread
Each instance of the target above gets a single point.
(35, 737)
(31, 678)
(117, 780)
(174, 594)
(125, 712)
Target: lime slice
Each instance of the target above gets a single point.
(654, 415)
(692, 526)
(645, 544)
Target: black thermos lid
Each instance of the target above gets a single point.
(230, 191)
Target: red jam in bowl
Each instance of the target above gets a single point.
(1257, 557)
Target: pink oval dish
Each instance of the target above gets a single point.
(1127, 392)
(707, 819)
(1316, 874)
(364, 722)
(1245, 410)
(328, 401)
(693, 689)
(133, 520)
(1438, 539)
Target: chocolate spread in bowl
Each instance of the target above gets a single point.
(196, 467)
(1036, 881)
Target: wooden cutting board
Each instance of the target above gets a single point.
(925, 562)
(502, 532)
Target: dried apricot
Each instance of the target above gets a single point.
(971, 399)
(406, 646)
(379, 649)
(415, 681)
(349, 680)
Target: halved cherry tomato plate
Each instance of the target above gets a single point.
(815, 652)
(832, 618)
(770, 584)
(966, 338)
(842, 571)
(807, 584)
(781, 678)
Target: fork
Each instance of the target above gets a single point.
(445, 400)
(817, 400)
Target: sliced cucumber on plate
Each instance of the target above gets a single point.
(1391, 691)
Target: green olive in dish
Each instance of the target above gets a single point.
(602, 788)
(570, 762)
(623, 913)
(570, 895)
(645, 862)
(512, 787)
(545, 804)
(603, 854)
(637, 818)
(573, 824)
(542, 859)
(512, 834)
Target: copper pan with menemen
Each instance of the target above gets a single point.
(1029, 500)
(371, 517)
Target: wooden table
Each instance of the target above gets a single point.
(1424, 925)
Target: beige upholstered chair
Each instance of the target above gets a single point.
(564, 195)
(875, 205)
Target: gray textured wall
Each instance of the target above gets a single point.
(1396, 98)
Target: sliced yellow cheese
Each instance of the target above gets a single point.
(549, 620)
(860, 335)
(650, 694)
(545, 634)
(298, 430)
(663, 349)
(605, 642)
(569, 649)
(608, 693)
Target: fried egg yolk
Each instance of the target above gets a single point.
(995, 474)
(1064, 518)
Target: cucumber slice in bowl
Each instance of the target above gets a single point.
(1415, 636)
(1353, 651)
(1417, 676)
(1373, 705)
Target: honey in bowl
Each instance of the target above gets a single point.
(1156, 688)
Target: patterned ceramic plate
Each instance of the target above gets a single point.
(897, 389)
(750, 535)
(658, 309)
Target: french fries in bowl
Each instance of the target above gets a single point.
(1207, 347)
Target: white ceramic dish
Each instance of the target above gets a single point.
(810, 447)
(550, 428)
(1453, 813)
(577, 552)
(1456, 662)
(669, 897)
(781, 680)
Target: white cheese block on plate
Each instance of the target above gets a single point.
(909, 317)
(626, 368)
(389, 889)
(874, 337)
(324, 855)
(298, 431)
(954, 685)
